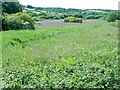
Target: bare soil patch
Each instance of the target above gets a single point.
(59, 23)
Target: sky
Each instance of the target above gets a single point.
(78, 4)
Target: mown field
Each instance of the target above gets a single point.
(80, 56)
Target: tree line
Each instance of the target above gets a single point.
(17, 16)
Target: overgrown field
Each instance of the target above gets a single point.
(81, 56)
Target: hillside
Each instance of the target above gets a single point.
(41, 13)
(81, 56)
(57, 48)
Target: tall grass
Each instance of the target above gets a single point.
(82, 56)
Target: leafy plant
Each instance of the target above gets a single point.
(73, 19)
(111, 17)
(17, 21)
(82, 56)
(11, 7)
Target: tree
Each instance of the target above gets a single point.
(11, 7)
(29, 6)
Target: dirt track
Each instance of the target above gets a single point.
(59, 23)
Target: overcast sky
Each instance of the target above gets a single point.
(79, 4)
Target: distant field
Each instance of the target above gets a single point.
(59, 23)
(81, 56)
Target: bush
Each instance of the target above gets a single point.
(73, 19)
(36, 18)
(90, 17)
(111, 17)
(114, 24)
(38, 23)
(17, 21)
(114, 16)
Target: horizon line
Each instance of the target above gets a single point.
(70, 8)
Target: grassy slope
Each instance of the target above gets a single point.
(79, 56)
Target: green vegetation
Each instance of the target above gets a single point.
(17, 21)
(114, 24)
(13, 22)
(93, 16)
(83, 56)
(40, 13)
(73, 56)
(11, 7)
(113, 16)
(73, 19)
(14, 19)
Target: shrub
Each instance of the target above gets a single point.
(36, 18)
(114, 24)
(111, 17)
(17, 21)
(38, 23)
(93, 16)
(90, 17)
(73, 19)
(66, 20)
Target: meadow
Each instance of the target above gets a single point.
(80, 56)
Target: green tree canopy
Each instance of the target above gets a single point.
(11, 7)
